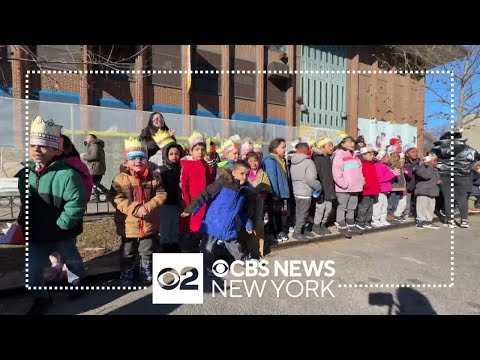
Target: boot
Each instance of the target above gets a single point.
(146, 271)
(127, 275)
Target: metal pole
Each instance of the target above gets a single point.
(71, 124)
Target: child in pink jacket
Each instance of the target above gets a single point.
(349, 181)
(385, 175)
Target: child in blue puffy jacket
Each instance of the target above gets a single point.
(226, 198)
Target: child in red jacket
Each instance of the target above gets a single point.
(371, 189)
(195, 176)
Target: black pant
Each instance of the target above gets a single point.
(365, 209)
(461, 187)
(277, 218)
(98, 187)
(212, 250)
(131, 247)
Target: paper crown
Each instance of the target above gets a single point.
(311, 142)
(365, 149)
(226, 147)
(257, 148)
(324, 142)
(45, 133)
(196, 138)
(380, 155)
(163, 138)
(246, 147)
(134, 147)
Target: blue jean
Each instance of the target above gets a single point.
(38, 258)
(393, 201)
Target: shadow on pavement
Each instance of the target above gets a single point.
(410, 302)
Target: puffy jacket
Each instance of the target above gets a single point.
(304, 175)
(323, 164)
(127, 194)
(385, 177)
(464, 157)
(427, 177)
(278, 177)
(411, 165)
(228, 200)
(372, 185)
(347, 172)
(56, 202)
(195, 176)
(95, 157)
(170, 173)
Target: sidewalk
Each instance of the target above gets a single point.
(108, 264)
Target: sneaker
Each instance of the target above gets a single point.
(377, 224)
(420, 225)
(360, 226)
(400, 219)
(450, 224)
(430, 226)
(354, 229)
(368, 226)
(282, 237)
(318, 229)
(326, 230)
(344, 231)
(442, 213)
(473, 210)
(291, 229)
(385, 223)
(40, 307)
(300, 237)
(464, 224)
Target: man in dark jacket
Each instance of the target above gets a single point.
(322, 159)
(463, 157)
(95, 159)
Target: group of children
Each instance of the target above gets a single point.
(217, 198)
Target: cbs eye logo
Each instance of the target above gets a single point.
(170, 279)
(220, 268)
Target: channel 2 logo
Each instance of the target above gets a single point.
(177, 279)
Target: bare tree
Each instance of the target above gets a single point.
(463, 61)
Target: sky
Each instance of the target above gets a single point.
(441, 84)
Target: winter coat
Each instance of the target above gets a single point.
(127, 194)
(83, 171)
(464, 157)
(195, 176)
(95, 157)
(427, 177)
(170, 173)
(227, 199)
(347, 172)
(412, 166)
(385, 177)
(323, 164)
(304, 175)
(56, 202)
(372, 185)
(278, 177)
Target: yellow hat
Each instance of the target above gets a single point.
(196, 138)
(134, 147)
(324, 142)
(163, 138)
(311, 141)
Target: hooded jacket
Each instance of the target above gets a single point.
(304, 175)
(323, 164)
(170, 173)
(95, 157)
(227, 199)
(347, 172)
(278, 177)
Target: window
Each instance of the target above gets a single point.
(167, 57)
(115, 58)
(58, 57)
